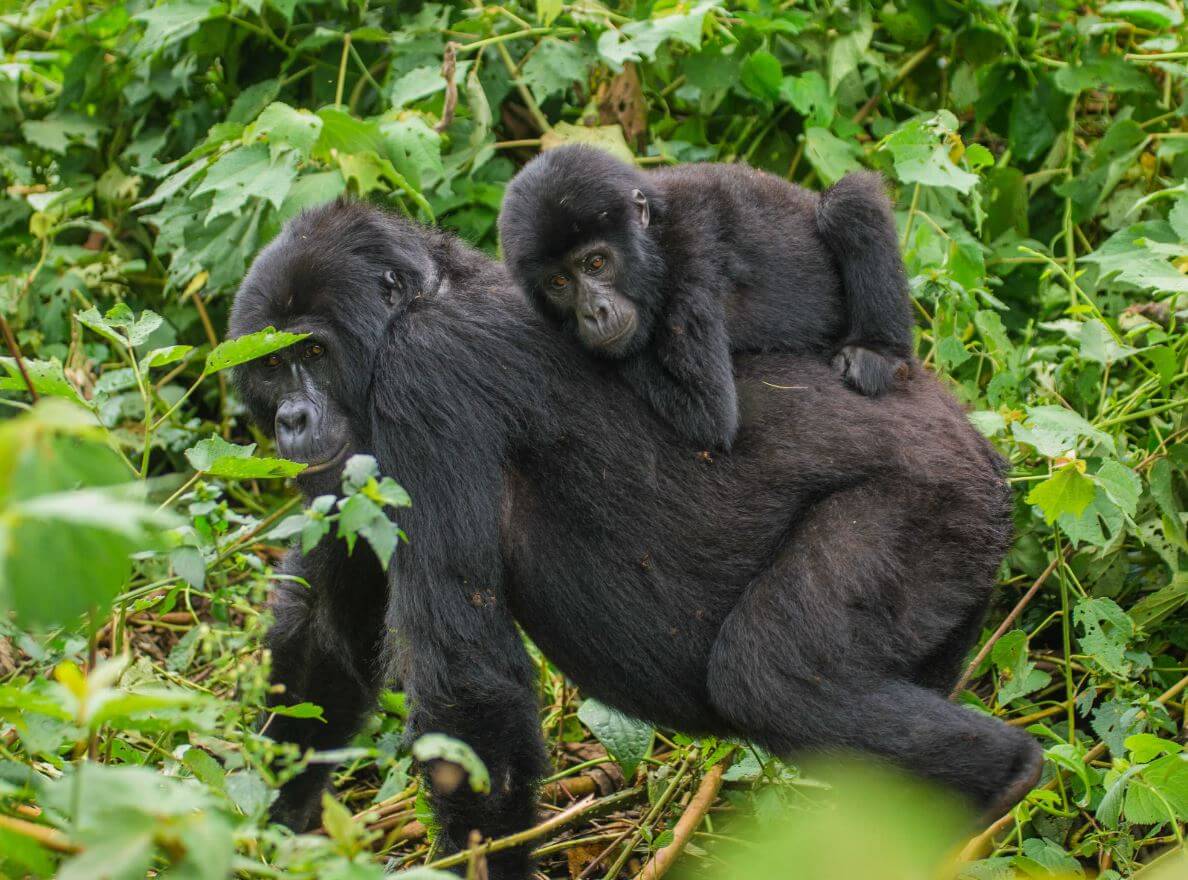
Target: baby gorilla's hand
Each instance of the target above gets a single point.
(868, 371)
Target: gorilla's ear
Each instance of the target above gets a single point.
(641, 204)
(392, 287)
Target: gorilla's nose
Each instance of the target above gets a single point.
(293, 420)
(597, 315)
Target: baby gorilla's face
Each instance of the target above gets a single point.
(582, 287)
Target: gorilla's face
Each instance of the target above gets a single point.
(292, 391)
(582, 286)
(336, 273)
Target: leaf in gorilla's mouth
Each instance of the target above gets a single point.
(324, 465)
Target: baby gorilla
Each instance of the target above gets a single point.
(672, 270)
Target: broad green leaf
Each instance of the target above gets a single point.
(553, 67)
(919, 156)
(638, 40)
(1121, 484)
(629, 741)
(284, 126)
(1105, 632)
(438, 747)
(170, 22)
(49, 380)
(161, 357)
(58, 132)
(246, 348)
(217, 457)
(832, 157)
(1055, 431)
(1018, 676)
(761, 75)
(244, 174)
(1145, 13)
(1068, 490)
(605, 137)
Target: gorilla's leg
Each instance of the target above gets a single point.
(815, 658)
(469, 677)
(321, 657)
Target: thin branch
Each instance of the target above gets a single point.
(449, 66)
(50, 838)
(665, 857)
(15, 350)
(560, 820)
(1006, 624)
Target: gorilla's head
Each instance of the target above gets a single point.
(575, 230)
(338, 273)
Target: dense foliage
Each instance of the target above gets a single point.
(1039, 152)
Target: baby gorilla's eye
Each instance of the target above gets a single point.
(273, 360)
(313, 350)
(559, 281)
(595, 262)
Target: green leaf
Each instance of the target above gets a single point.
(832, 157)
(438, 747)
(548, 10)
(1017, 674)
(919, 156)
(1068, 490)
(605, 137)
(638, 40)
(299, 710)
(1055, 431)
(217, 457)
(48, 377)
(1106, 631)
(1145, 13)
(282, 126)
(170, 22)
(57, 133)
(1121, 484)
(553, 67)
(761, 75)
(809, 94)
(246, 348)
(1146, 747)
(245, 174)
(161, 357)
(629, 741)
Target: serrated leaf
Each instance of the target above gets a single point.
(1068, 490)
(553, 67)
(246, 348)
(1122, 485)
(1105, 632)
(245, 174)
(628, 740)
(161, 357)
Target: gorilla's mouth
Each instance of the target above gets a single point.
(626, 329)
(327, 463)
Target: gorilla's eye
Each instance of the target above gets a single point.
(273, 360)
(313, 350)
(559, 281)
(595, 262)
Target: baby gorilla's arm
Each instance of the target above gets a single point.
(687, 375)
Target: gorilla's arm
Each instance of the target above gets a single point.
(439, 398)
(324, 645)
(687, 375)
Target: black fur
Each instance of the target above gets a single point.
(732, 260)
(814, 590)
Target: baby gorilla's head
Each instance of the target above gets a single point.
(575, 233)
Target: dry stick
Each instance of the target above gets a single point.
(686, 825)
(977, 845)
(50, 838)
(558, 821)
(1005, 625)
(449, 65)
(15, 350)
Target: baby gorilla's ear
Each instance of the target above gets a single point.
(392, 287)
(641, 204)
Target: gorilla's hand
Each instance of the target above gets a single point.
(868, 371)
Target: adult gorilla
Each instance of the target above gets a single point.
(815, 589)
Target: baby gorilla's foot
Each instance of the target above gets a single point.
(868, 371)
